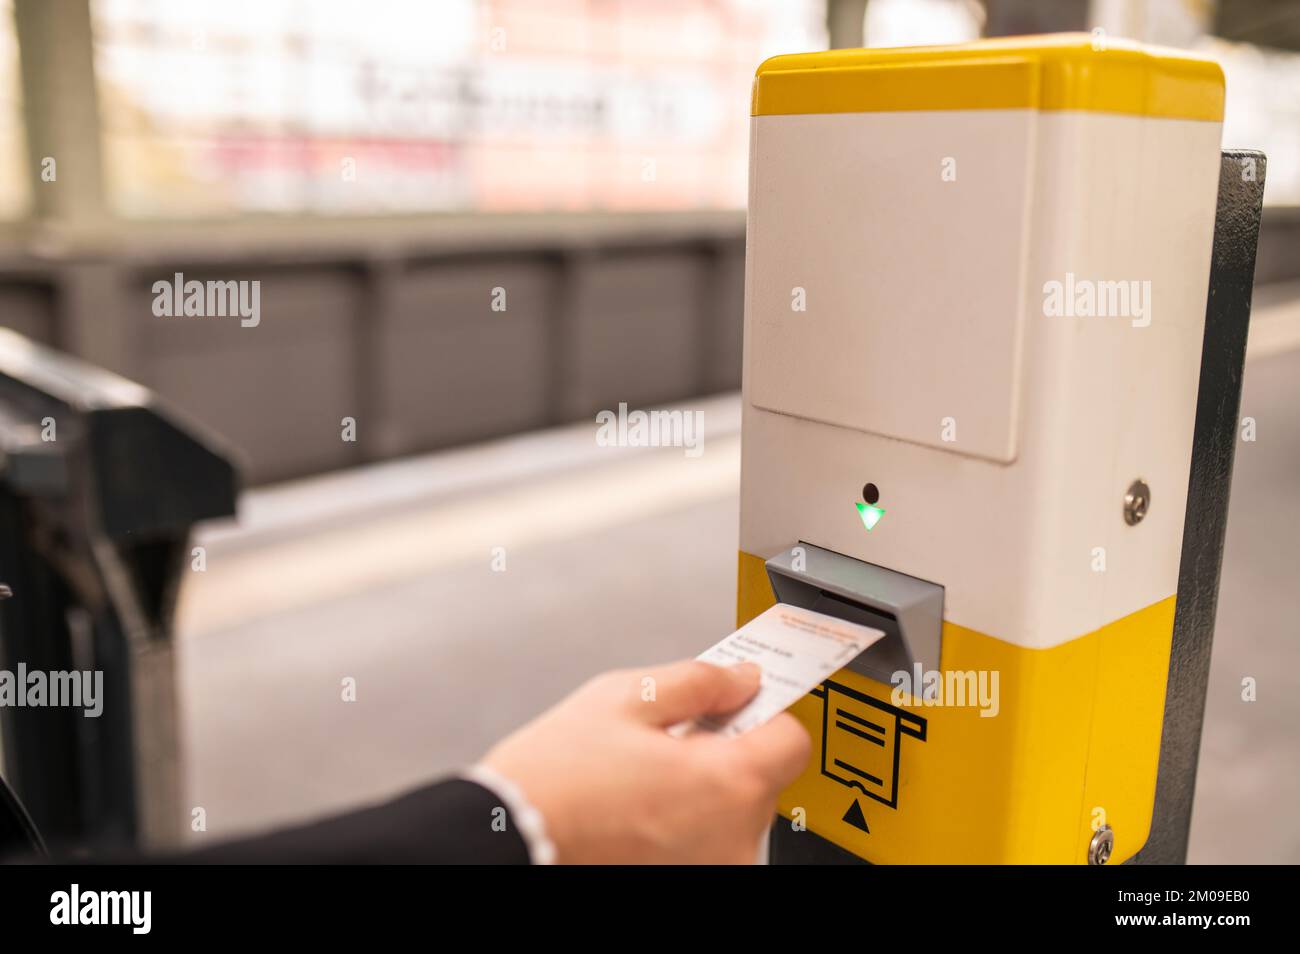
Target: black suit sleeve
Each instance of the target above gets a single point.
(450, 822)
(454, 822)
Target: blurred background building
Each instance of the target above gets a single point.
(383, 169)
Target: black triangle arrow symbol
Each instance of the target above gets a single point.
(855, 817)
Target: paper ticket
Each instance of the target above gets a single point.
(796, 648)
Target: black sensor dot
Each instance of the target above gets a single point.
(870, 493)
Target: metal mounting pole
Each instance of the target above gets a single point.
(1214, 443)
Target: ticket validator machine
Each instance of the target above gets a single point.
(976, 305)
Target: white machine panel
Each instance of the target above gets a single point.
(1010, 517)
(902, 327)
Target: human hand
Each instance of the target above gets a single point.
(615, 787)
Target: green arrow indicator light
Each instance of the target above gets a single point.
(870, 514)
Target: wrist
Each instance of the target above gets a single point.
(526, 817)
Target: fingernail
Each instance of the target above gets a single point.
(747, 670)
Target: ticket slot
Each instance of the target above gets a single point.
(908, 610)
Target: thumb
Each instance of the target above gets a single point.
(777, 750)
(692, 688)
